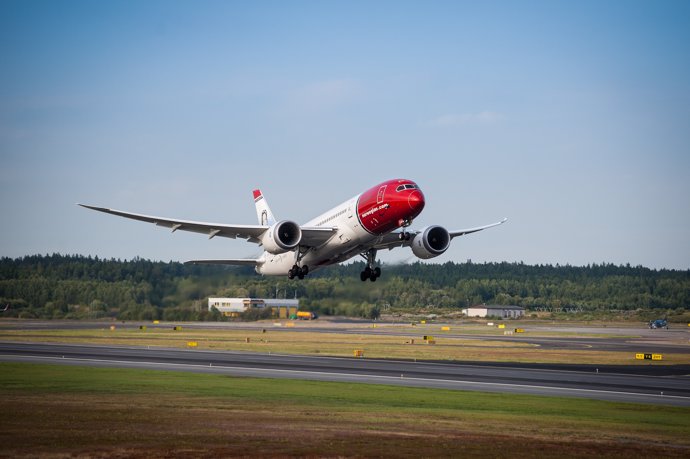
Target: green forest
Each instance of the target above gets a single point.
(78, 287)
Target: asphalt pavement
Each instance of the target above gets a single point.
(669, 386)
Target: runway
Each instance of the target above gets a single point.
(668, 386)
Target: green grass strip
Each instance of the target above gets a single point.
(58, 379)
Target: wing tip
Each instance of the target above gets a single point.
(100, 209)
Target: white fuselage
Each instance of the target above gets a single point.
(342, 245)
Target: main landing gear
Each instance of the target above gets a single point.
(298, 272)
(370, 272)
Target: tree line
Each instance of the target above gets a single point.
(75, 286)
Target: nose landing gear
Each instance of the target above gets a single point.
(404, 235)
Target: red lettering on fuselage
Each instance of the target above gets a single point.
(381, 209)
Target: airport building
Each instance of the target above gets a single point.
(504, 312)
(283, 308)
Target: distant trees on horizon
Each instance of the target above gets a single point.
(75, 286)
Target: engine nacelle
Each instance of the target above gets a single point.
(281, 237)
(431, 242)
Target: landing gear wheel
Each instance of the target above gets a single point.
(370, 272)
(298, 272)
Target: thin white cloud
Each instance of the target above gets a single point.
(455, 120)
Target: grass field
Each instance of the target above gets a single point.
(61, 411)
(447, 347)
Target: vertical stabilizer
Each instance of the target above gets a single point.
(263, 212)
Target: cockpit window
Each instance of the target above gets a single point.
(400, 188)
(408, 186)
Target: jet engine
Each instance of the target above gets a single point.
(431, 242)
(281, 237)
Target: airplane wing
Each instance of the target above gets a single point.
(474, 230)
(249, 232)
(314, 236)
(392, 240)
(311, 236)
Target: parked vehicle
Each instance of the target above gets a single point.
(659, 323)
(305, 315)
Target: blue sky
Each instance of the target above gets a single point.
(570, 118)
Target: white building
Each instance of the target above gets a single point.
(234, 306)
(504, 312)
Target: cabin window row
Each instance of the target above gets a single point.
(323, 222)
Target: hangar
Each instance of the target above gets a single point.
(506, 312)
(283, 308)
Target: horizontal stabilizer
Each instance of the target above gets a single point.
(234, 261)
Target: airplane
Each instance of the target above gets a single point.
(374, 220)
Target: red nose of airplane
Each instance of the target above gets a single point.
(416, 201)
